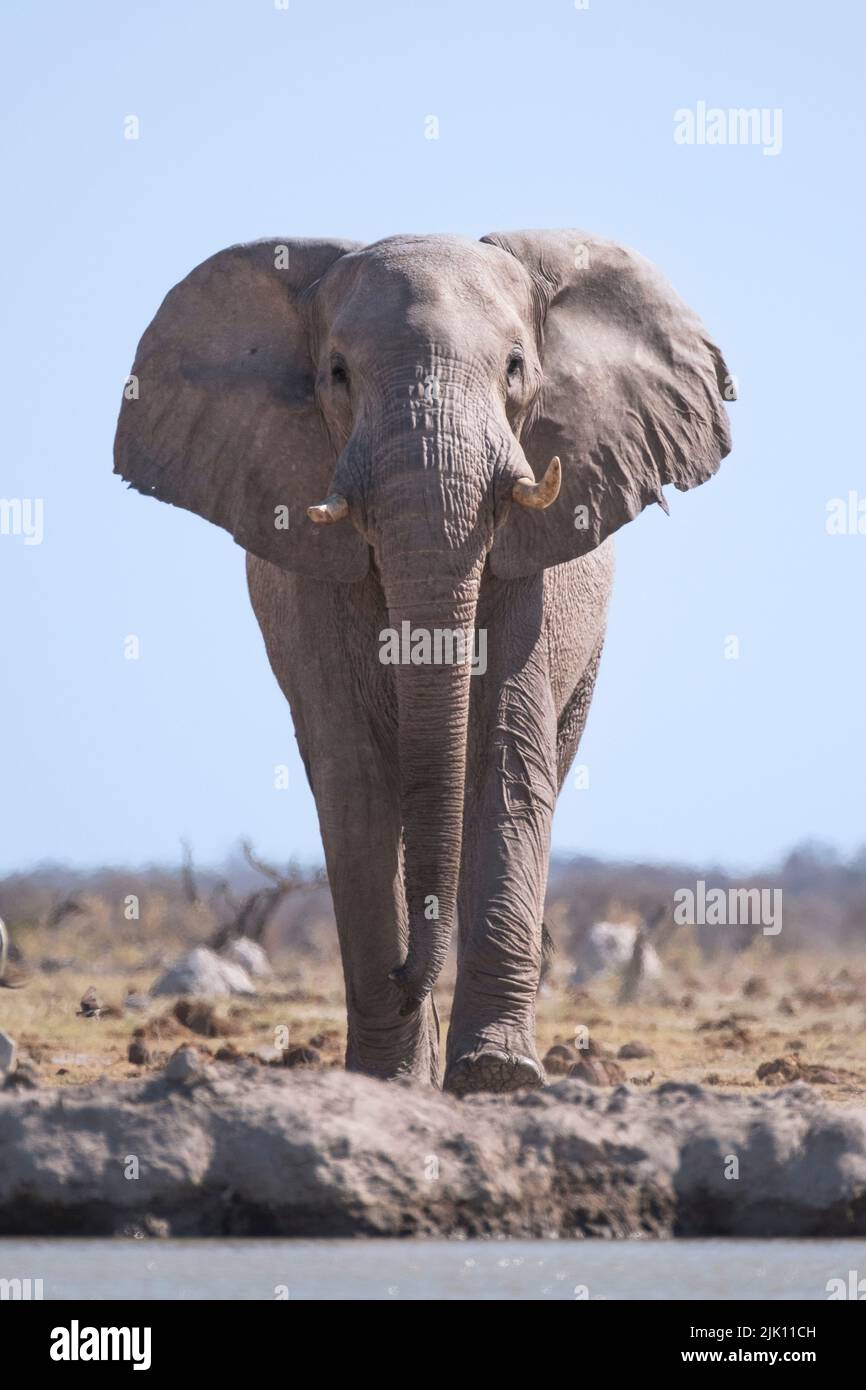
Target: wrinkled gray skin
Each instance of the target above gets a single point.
(419, 379)
(526, 715)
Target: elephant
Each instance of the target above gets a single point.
(431, 438)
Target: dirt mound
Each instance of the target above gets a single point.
(246, 1150)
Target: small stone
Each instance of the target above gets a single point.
(301, 1057)
(186, 1064)
(598, 1071)
(25, 1077)
(205, 975)
(8, 1050)
(139, 1054)
(199, 1016)
(250, 956)
(635, 1049)
(559, 1060)
(781, 1070)
(136, 1002)
(821, 1076)
(756, 987)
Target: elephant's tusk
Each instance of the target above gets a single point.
(334, 508)
(529, 493)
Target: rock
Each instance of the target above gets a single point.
(250, 956)
(301, 1057)
(136, 1003)
(256, 1151)
(8, 1049)
(139, 1054)
(206, 975)
(199, 1016)
(792, 1068)
(756, 987)
(25, 1077)
(822, 1076)
(731, 1022)
(635, 1049)
(609, 947)
(559, 1059)
(185, 1065)
(598, 1071)
(781, 1070)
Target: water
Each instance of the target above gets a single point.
(442, 1270)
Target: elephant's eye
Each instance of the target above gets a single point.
(339, 373)
(514, 366)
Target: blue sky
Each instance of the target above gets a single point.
(257, 121)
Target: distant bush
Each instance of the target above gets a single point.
(824, 901)
(824, 897)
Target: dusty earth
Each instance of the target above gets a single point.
(717, 1024)
(728, 1098)
(232, 1148)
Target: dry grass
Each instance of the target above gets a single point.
(806, 1010)
(712, 1023)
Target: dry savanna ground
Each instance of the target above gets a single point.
(739, 1022)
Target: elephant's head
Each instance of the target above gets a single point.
(405, 405)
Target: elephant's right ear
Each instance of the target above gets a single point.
(633, 396)
(219, 415)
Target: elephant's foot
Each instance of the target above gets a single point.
(391, 1048)
(491, 1068)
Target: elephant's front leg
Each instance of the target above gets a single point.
(361, 835)
(511, 793)
(322, 640)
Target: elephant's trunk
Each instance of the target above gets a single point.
(433, 710)
(432, 518)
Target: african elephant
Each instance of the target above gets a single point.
(381, 428)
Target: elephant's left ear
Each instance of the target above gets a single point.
(631, 400)
(220, 414)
